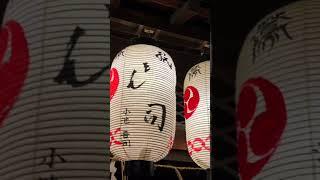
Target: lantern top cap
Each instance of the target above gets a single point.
(146, 51)
(146, 48)
(141, 45)
(196, 67)
(201, 63)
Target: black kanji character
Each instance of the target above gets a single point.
(146, 67)
(51, 161)
(154, 118)
(269, 31)
(194, 71)
(131, 85)
(162, 57)
(68, 71)
(120, 54)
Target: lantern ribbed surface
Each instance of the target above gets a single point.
(56, 116)
(143, 103)
(277, 95)
(197, 113)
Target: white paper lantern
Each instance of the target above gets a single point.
(143, 103)
(277, 94)
(197, 113)
(54, 127)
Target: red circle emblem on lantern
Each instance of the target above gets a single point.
(114, 82)
(13, 70)
(260, 133)
(191, 101)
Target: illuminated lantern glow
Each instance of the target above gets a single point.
(53, 85)
(143, 107)
(277, 90)
(197, 113)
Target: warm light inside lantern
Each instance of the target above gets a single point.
(197, 113)
(143, 103)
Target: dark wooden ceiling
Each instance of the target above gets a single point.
(181, 27)
(188, 18)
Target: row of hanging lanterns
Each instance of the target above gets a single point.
(276, 98)
(143, 107)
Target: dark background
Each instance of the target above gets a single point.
(3, 4)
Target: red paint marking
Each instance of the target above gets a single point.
(191, 101)
(170, 143)
(114, 82)
(13, 71)
(113, 139)
(265, 133)
(207, 140)
(198, 145)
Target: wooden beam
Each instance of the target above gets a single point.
(175, 4)
(184, 13)
(156, 34)
(160, 22)
(139, 30)
(120, 25)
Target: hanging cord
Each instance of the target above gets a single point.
(144, 35)
(178, 174)
(204, 50)
(122, 170)
(172, 167)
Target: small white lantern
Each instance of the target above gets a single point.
(197, 113)
(277, 95)
(143, 104)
